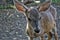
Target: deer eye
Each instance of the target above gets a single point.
(29, 19)
(40, 18)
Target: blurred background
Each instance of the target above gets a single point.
(13, 23)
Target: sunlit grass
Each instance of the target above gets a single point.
(37, 1)
(12, 6)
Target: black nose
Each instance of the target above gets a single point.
(37, 31)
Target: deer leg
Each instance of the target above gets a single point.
(49, 35)
(55, 33)
(42, 36)
(30, 33)
(31, 38)
(56, 36)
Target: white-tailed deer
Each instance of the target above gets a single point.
(35, 16)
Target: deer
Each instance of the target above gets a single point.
(39, 20)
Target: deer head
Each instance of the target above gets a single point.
(32, 14)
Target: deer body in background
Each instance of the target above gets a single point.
(36, 16)
(27, 1)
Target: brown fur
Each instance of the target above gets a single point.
(44, 6)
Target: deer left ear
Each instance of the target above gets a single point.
(20, 6)
(44, 6)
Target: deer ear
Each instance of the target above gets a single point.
(20, 6)
(44, 6)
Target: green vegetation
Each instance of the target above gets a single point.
(10, 2)
(56, 1)
(5, 7)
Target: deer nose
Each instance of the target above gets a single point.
(37, 30)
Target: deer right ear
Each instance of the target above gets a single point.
(20, 6)
(44, 6)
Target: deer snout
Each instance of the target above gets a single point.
(37, 30)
